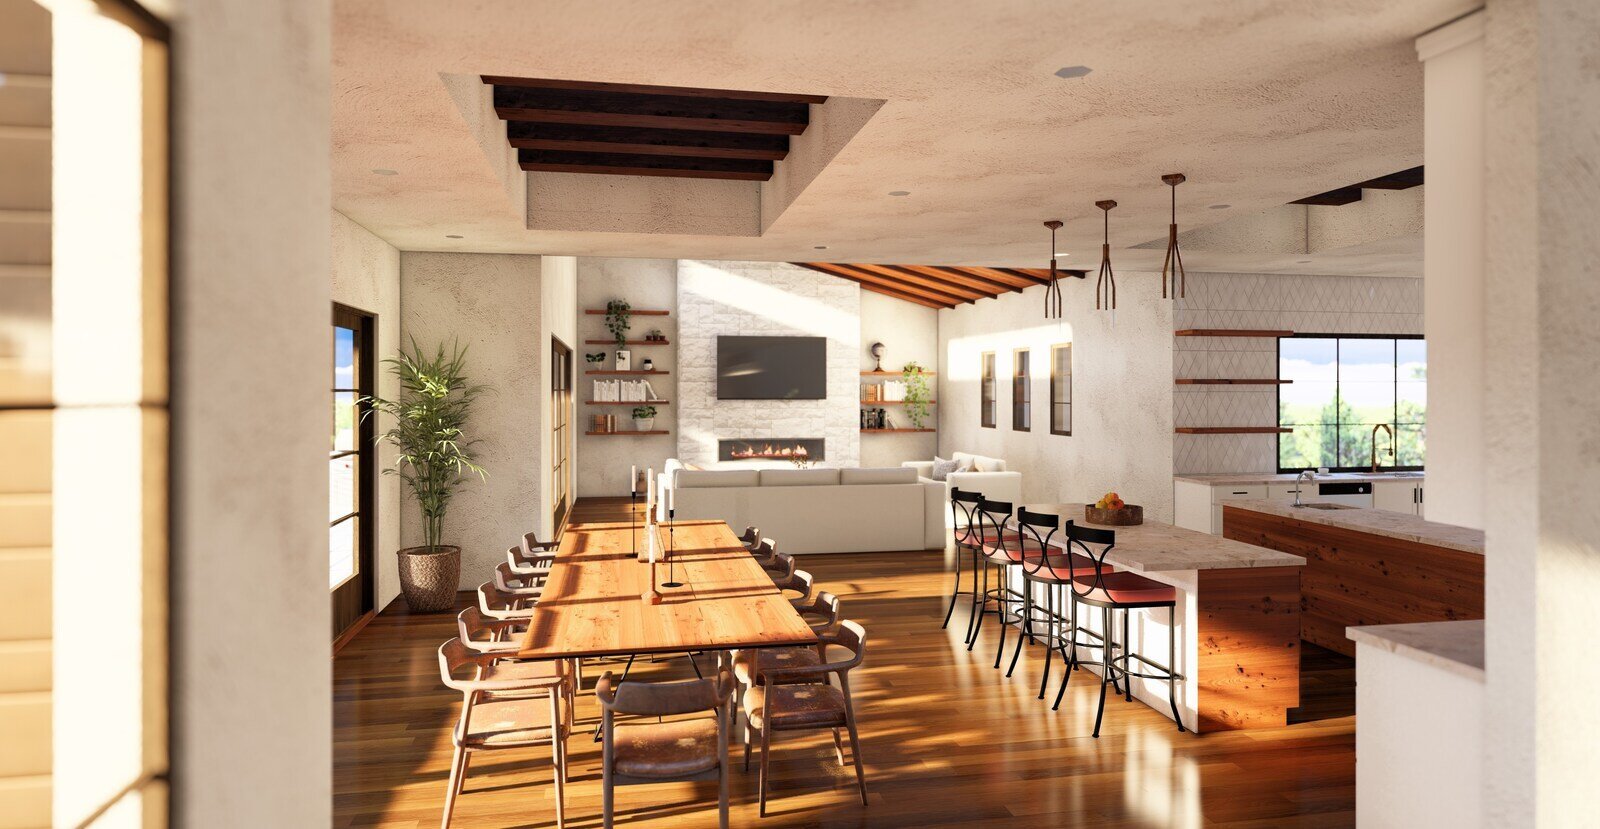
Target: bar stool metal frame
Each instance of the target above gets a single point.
(992, 519)
(966, 542)
(1095, 590)
(1047, 570)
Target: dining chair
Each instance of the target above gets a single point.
(532, 546)
(650, 752)
(751, 537)
(488, 635)
(765, 552)
(536, 565)
(822, 614)
(799, 582)
(498, 604)
(778, 701)
(781, 568)
(528, 587)
(502, 709)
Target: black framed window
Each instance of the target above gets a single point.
(1021, 392)
(1339, 388)
(1061, 389)
(987, 404)
(350, 463)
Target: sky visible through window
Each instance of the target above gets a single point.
(1342, 388)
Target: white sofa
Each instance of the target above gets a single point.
(989, 476)
(817, 510)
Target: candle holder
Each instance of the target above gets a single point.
(672, 564)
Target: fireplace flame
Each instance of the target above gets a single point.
(750, 451)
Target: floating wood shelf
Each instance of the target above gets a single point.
(892, 402)
(1229, 332)
(1210, 381)
(629, 342)
(882, 431)
(632, 432)
(627, 402)
(1231, 430)
(892, 373)
(635, 312)
(614, 372)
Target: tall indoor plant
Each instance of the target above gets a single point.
(434, 457)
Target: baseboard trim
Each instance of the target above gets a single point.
(350, 632)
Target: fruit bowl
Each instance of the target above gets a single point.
(1129, 515)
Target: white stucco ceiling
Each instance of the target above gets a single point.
(1259, 102)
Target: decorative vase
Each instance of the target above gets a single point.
(648, 364)
(644, 424)
(429, 577)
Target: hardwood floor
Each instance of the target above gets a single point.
(947, 740)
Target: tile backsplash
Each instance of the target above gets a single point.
(1304, 304)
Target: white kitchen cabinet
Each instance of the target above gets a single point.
(1398, 496)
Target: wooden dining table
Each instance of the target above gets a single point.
(595, 600)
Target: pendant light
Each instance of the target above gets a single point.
(1173, 264)
(1052, 290)
(1105, 289)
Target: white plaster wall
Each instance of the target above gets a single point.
(1419, 752)
(1453, 284)
(491, 302)
(250, 630)
(1121, 392)
(366, 275)
(909, 332)
(603, 461)
(766, 298)
(1309, 304)
(558, 311)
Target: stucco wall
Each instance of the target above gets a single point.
(909, 332)
(251, 720)
(1121, 392)
(491, 303)
(366, 276)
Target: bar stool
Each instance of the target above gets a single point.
(1053, 570)
(995, 555)
(1122, 591)
(961, 507)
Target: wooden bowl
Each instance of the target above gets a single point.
(1130, 515)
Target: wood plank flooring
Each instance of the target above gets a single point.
(947, 740)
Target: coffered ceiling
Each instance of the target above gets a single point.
(957, 106)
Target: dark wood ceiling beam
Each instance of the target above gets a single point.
(552, 116)
(645, 89)
(584, 138)
(538, 167)
(934, 283)
(1333, 198)
(654, 111)
(734, 167)
(890, 292)
(1403, 180)
(561, 145)
(989, 287)
(1042, 275)
(864, 277)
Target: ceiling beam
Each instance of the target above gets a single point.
(679, 165)
(890, 292)
(1042, 275)
(537, 167)
(1403, 180)
(561, 145)
(1333, 198)
(935, 283)
(863, 278)
(989, 286)
(646, 89)
(652, 111)
(553, 116)
(584, 138)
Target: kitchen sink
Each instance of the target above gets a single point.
(1322, 506)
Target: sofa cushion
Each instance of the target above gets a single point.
(889, 475)
(710, 478)
(979, 463)
(943, 467)
(799, 477)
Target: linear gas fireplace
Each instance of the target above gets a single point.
(761, 449)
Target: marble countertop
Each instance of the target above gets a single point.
(1452, 646)
(1153, 546)
(1226, 478)
(1375, 521)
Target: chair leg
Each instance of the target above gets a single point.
(838, 746)
(1050, 636)
(1027, 625)
(761, 779)
(1172, 665)
(558, 762)
(954, 591)
(1004, 609)
(747, 730)
(458, 772)
(1105, 671)
(980, 606)
(855, 751)
(1127, 647)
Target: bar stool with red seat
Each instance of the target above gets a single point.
(961, 507)
(1125, 592)
(1000, 548)
(1047, 566)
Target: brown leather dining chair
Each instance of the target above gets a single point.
(504, 706)
(801, 698)
(797, 588)
(652, 752)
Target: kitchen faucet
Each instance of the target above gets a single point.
(1307, 475)
(1385, 427)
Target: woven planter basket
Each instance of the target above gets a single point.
(429, 577)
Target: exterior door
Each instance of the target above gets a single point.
(351, 474)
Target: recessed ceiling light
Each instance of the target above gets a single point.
(384, 171)
(899, 192)
(1220, 206)
(452, 236)
(1073, 71)
(819, 247)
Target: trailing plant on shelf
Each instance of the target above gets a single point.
(618, 320)
(433, 457)
(644, 418)
(917, 394)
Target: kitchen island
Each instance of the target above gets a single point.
(1366, 566)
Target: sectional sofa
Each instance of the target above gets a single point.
(988, 476)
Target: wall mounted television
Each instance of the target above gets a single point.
(772, 368)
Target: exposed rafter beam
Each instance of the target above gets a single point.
(646, 89)
(854, 274)
(992, 287)
(935, 283)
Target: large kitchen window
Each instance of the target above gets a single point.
(1338, 389)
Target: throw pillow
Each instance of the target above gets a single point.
(942, 468)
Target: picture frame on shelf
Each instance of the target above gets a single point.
(624, 360)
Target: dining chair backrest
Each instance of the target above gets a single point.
(664, 699)
(1094, 543)
(1035, 531)
(497, 604)
(799, 582)
(826, 605)
(851, 636)
(483, 634)
(532, 546)
(453, 656)
(766, 549)
(782, 568)
(512, 582)
(751, 537)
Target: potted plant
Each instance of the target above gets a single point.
(433, 459)
(644, 418)
(618, 316)
(917, 394)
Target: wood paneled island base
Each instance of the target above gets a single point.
(1249, 647)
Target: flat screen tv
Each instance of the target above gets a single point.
(772, 368)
